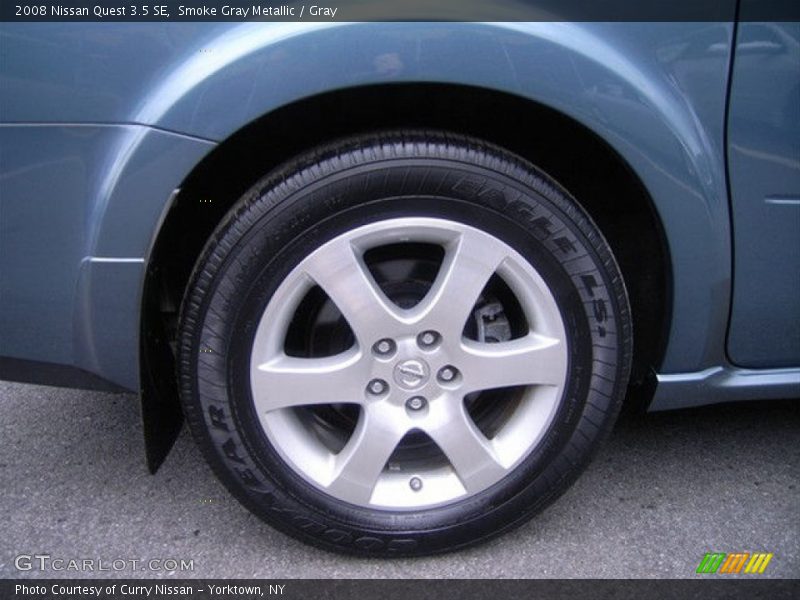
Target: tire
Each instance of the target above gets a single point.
(403, 344)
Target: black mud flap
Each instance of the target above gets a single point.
(162, 420)
(162, 417)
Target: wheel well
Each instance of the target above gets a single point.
(580, 160)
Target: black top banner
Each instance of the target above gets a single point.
(398, 10)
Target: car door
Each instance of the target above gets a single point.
(764, 174)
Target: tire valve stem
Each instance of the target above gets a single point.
(415, 483)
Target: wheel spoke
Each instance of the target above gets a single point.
(342, 274)
(470, 261)
(533, 360)
(287, 381)
(359, 464)
(469, 452)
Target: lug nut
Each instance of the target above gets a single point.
(428, 339)
(384, 347)
(447, 374)
(416, 403)
(415, 483)
(376, 387)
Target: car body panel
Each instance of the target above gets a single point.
(72, 283)
(764, 155)
(655, 92)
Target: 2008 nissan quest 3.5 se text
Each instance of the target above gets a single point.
(399, 277)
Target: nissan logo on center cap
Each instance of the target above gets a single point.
(411, 374)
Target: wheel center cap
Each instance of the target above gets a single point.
(411, 374)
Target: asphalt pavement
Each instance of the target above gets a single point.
(665, 489)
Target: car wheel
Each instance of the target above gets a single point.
(403, 344)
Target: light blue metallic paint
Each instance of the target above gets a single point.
(655, 92)
(724, 384)
(71, 288)
(764, 155)
(106, 318)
